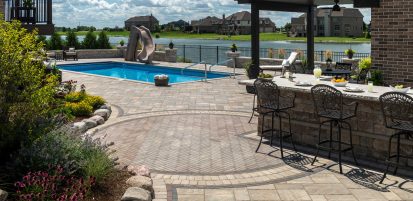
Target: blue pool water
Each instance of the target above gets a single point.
(141, 72)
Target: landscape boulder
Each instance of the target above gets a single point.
(3, 195)
(105, 106)
(139, 170)
(140, 182)
(80, 127)
(136, 194)
(98, 119)
(105, 113)
(90, 123)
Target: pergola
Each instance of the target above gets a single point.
(302, 6)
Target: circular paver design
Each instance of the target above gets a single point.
(189, 144)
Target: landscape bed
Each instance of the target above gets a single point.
(141, 72)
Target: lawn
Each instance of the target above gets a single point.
(263, 37)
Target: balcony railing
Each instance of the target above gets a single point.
(39, 12)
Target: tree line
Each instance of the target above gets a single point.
(91, 41)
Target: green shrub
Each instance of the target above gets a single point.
(75, 97)
(365, 63)
(78, 157)
(263, 75)
(90, 41)
(94, 101)
(71, 39)
(103, 41)
(247, 66)
(55, 42)
(79, 109)
(27, 102)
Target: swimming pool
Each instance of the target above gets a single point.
(141, 72)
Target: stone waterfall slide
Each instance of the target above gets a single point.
(148, 46)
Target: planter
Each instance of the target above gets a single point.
(161, 82)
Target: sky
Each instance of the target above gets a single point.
(111, 13)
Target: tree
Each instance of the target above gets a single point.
(103, 41)
(71, 39)
(26, 92)
(55, 42)
(287, 27)
(90, 41)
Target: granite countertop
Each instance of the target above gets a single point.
(286, 84)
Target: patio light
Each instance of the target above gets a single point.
(336, 7)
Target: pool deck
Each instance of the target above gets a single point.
(196, 139)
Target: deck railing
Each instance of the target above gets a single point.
(215, 54)
(40, 12)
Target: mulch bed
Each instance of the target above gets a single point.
(112, 188)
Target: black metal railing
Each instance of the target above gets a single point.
(38, 12)
(215, 54)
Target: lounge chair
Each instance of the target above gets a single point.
(287, 64)
(71, 53)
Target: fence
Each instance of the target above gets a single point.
(216, 54)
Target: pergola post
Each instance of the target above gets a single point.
(310, 36)
(255, 41)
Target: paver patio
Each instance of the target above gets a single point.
(196, 140)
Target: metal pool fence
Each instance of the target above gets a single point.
(216, 54)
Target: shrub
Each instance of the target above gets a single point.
(94, 101)
(27, 102)
(78, 157)
(71, 39)
(247, 67)
(90, 41)
(52, 185)
(55, 42)
(365, 63)
(121, 42)
(75, 97)
(80, 109)
(103, 41)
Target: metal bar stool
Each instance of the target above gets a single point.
(270, 102)
(329, 105)
(397, 110)
(251, 90)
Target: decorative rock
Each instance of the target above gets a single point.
(140, 182)
(105, 113)
(90, 123)
(98, 119)
(140, 170)
(105, 106)
(80, 126)
(3, 195)
(136, 194)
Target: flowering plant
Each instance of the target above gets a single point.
(161, 77)
(52, 185)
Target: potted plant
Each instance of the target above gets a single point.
(171, 45)
(234, 48)
(247, 67)
(349, 52)
(121, 43)
(365, 63)
(281, 53)
(161, 80)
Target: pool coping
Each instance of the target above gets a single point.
(142, 82)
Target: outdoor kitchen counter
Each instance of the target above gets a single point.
(370, 136)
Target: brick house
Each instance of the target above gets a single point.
(242, 21)
(149, 22)
(207, 25)
(348, 22)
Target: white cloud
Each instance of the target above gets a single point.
(110, 13)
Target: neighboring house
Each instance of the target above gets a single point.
(149, 22)
(177, 25)
(237, 23)
(345, 23)
(31, 17)
(207, 25)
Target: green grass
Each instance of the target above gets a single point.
(263, 37)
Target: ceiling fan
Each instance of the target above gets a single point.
(336, 7)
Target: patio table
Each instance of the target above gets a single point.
(369, 133)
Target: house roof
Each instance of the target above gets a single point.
(344, 12)
(242, 16)
(208, 21)
(142, 19)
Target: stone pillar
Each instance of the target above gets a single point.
(170, 55)
(392, 41)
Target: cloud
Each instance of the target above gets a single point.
(110, 13)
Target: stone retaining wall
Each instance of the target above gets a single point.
(370, 136)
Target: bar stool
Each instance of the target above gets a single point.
(329, 105)
(270, 102)
(397, 110)
(251, 90)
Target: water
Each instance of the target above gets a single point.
(141, 72)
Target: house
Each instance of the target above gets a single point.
(237, 23)
(207, 25)
(149, 22)
(348, 22)
(242, 22)
(38, 15)
(179, 25)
